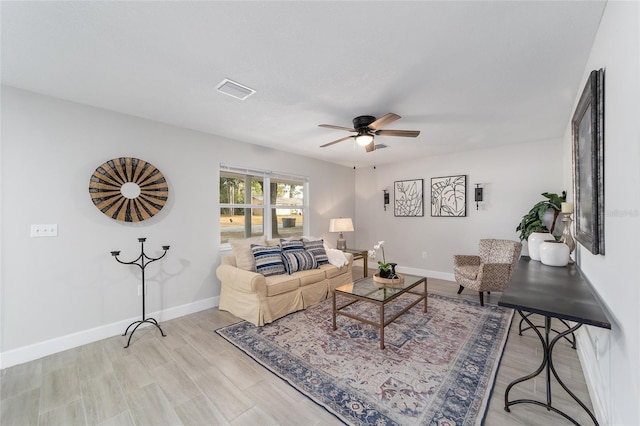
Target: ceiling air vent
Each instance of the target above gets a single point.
(381, 145)
(234, 89)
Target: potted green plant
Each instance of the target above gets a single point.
(385, 270)
(532, 221)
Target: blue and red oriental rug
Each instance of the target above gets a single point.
(437, 368)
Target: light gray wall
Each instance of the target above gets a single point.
(68, 290)
(610, 359)
(513, 177)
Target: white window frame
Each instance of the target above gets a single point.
(266, 197)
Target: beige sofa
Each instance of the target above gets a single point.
(261, 300)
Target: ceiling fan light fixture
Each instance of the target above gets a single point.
(367, 127)
(364, 138)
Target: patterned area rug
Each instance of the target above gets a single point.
(437, 368)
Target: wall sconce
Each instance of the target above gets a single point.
(478, 196)
(385, 198)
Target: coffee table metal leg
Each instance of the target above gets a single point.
(365, 263)
(334, 311)
(425, 296)
(382, 326)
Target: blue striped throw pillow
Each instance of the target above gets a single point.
(316, 248)
(295, 261)
(291, 245)
(268, 260)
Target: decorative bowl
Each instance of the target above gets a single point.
(389, 282)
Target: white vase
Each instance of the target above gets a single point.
(534, 241)
(554, 253)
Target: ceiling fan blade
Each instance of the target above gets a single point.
(331, 126)
(403, 133)
(388, 118)
(336, 141)
(370, 147)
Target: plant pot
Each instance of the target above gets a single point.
(391, 273)
(554, 253)
(534, 241)
(384, 274)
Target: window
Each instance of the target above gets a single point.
(254, 203)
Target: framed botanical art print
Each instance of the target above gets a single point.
(587, 126)
(408, 199)
(449, 196)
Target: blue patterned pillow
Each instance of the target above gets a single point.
(291, 245)
(295, 261)
(316, 248)
(268, 260)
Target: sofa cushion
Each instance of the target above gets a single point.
(331, 271)
(295, 261)
(242, 252)
(311, 276)
(278, 284)
(268, 260)
(316, 248)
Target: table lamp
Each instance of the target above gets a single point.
(343, 224)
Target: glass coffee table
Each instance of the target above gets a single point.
(369, 291)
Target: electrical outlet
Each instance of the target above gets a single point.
(139, 289)
(424, 254)
(50, 230)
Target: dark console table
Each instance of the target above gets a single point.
(552, 292)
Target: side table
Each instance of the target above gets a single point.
(360, 254)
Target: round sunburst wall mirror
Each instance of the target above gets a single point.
(128, 189)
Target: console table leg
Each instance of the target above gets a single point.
(547, 362)
(571, 340)
(507, 404)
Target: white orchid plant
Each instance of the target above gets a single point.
(383, 265)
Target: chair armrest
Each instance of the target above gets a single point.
(465, 260)
(241, 280)
(495, 273)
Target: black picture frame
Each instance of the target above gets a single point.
(449, 196)
(408, 198)
(587, 128)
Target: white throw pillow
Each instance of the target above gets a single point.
(336, 257)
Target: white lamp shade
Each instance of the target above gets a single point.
(364, 139)
(343, 224)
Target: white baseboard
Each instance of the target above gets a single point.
(59, 344)
(427, 273)
(595, 386)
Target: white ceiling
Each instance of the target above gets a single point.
(466, 74)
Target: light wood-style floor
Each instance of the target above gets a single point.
(194, 377)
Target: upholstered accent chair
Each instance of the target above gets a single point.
(491, 270)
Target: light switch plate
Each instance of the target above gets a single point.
(48, 230)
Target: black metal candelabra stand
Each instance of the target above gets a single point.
(142, 261)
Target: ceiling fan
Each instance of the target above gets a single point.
(367, 126)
